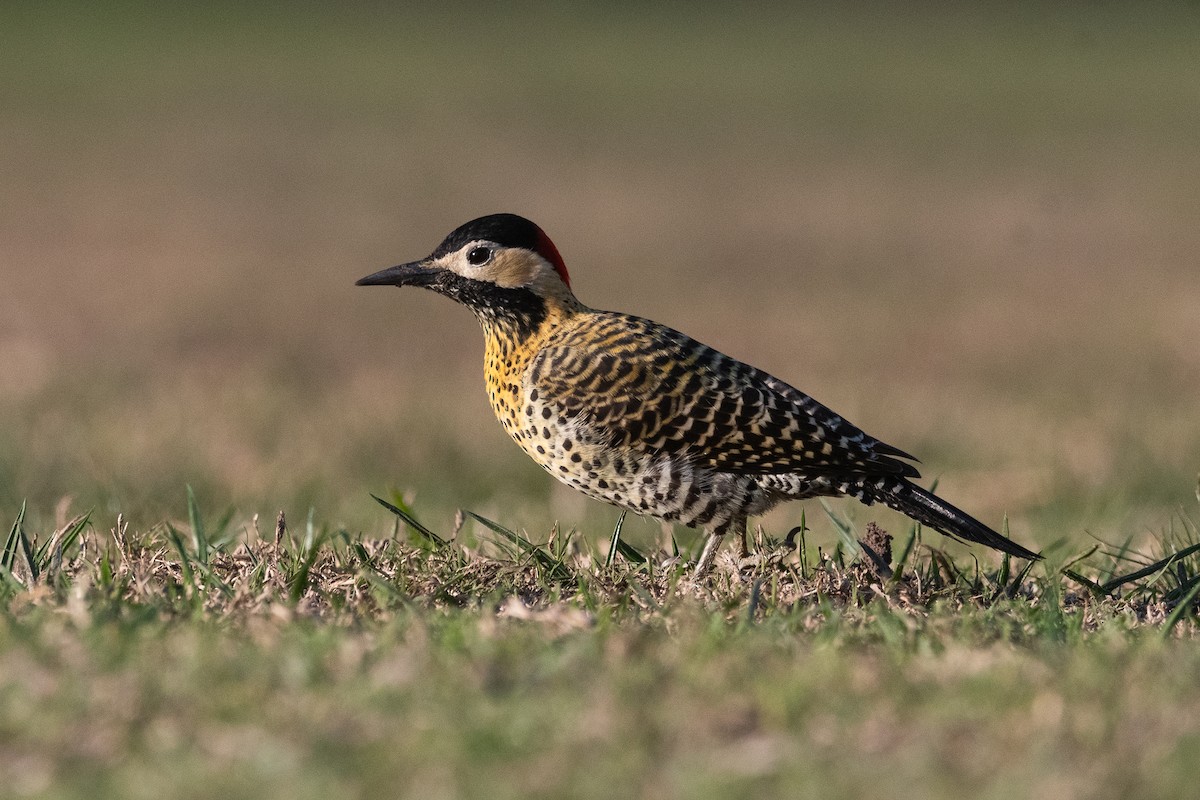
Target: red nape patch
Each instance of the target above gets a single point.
(548, 251)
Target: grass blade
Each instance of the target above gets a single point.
(185, 561)
(411, 521)
(845, 531)
(310, 529)
(1006, 561)
(631, 553)
(1096, 589)
(1161, 564)
(63, 541)
(299, 582)
(199, 538)
(1181, 610)
(755, 598)
(18, 557)
(902, 560)
(1015, 586)
(221, 534)
(618, 545)
(554, 567)
(616, 538)
(12, 543)
(801, 546)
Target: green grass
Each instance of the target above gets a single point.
(195, 662)
(972, 231)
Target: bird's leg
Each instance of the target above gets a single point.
(713, 543)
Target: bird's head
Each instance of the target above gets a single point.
(499, 266)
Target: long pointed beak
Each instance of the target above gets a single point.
(415, 273)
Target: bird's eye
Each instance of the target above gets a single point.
(479, 255)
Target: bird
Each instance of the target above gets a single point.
(646, 418)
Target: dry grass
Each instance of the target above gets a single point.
(202, 660)
(196, 570)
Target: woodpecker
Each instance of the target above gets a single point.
(641, 416)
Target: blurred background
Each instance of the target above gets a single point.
(971, 231)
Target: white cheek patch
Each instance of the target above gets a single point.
(457, 263)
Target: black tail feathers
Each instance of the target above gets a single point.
(928, 509)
